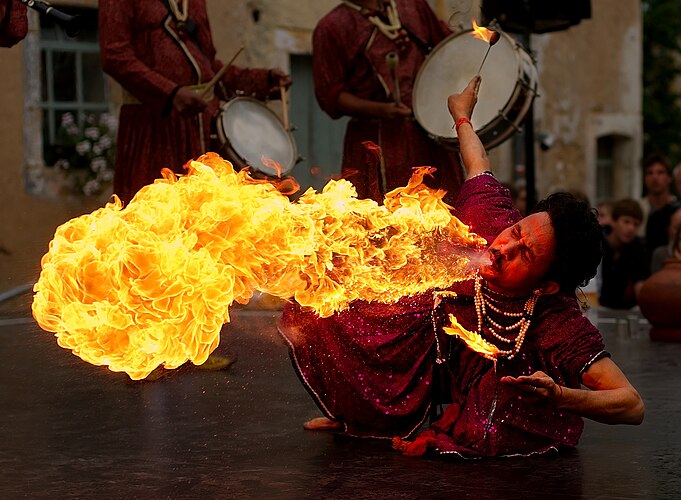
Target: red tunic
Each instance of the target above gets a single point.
(14, 24)
(349, 56)
(143, 50)
(371, 367)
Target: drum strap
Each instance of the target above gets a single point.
(425, 47)
(379, 17)
(184, 23)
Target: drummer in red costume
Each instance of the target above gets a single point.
(156, 50)
(13, 22)
(353, 78)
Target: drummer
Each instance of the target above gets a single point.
(155, 50)
(13, 22)
(155, 53)
(366, 55)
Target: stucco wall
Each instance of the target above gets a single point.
(258, 26)
(590, 85)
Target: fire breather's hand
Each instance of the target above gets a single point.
(538, 387)
(188, 102)
(461, 105)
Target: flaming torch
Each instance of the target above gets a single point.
(489, 36)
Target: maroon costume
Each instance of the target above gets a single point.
(13, 22)
(349, 55)
(371, 367)
(145, 50)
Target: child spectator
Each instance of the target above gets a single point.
(624, 267)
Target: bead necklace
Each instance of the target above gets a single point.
(180, 15)
(392, 30)
(483, 302)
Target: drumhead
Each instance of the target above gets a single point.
(450, 67)
(255, 133)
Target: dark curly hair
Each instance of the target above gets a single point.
(654, 159)
(579, 240)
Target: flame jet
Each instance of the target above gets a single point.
(149, 284)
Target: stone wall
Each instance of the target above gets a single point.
(590, 86)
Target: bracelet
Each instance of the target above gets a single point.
(460, 122)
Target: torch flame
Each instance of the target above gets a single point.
(472, 339)
(485, 34)
(132, 288)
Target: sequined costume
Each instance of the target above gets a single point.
(349, 55)
(146, 50)
(371, 367)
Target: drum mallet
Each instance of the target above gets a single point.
(494, 38)
(284, 106)
(392, 60)
(213, 81)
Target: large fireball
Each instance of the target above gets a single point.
(149, 284)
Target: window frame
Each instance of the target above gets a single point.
(37, 174)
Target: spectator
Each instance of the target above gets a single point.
(623, 268)
(677, 179)
(676, 252)
(665, 252)
(604, 209)
(659, 202)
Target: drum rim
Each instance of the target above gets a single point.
(228, 145)
(531, 84)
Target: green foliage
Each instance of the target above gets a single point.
(662, 77)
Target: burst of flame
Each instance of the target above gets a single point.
(152, 283)
(482, 33)
(273, 164)
(472, 339)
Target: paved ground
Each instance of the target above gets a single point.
(71, 430)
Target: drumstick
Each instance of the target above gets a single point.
(392, 60)
(213, 81)
(493, 39)
(284, 105)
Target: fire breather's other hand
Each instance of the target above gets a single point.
(537, 387)
(461, 105)
(188, 102)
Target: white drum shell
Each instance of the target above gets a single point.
(508, 87)
(251, 134)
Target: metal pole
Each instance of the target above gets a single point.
(530, 188)
(529, 160)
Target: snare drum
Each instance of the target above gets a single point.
(509, 85)
(251, 134)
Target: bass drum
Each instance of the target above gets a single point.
(509, 85)
(252, 135)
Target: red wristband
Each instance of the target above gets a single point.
(460, 122)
